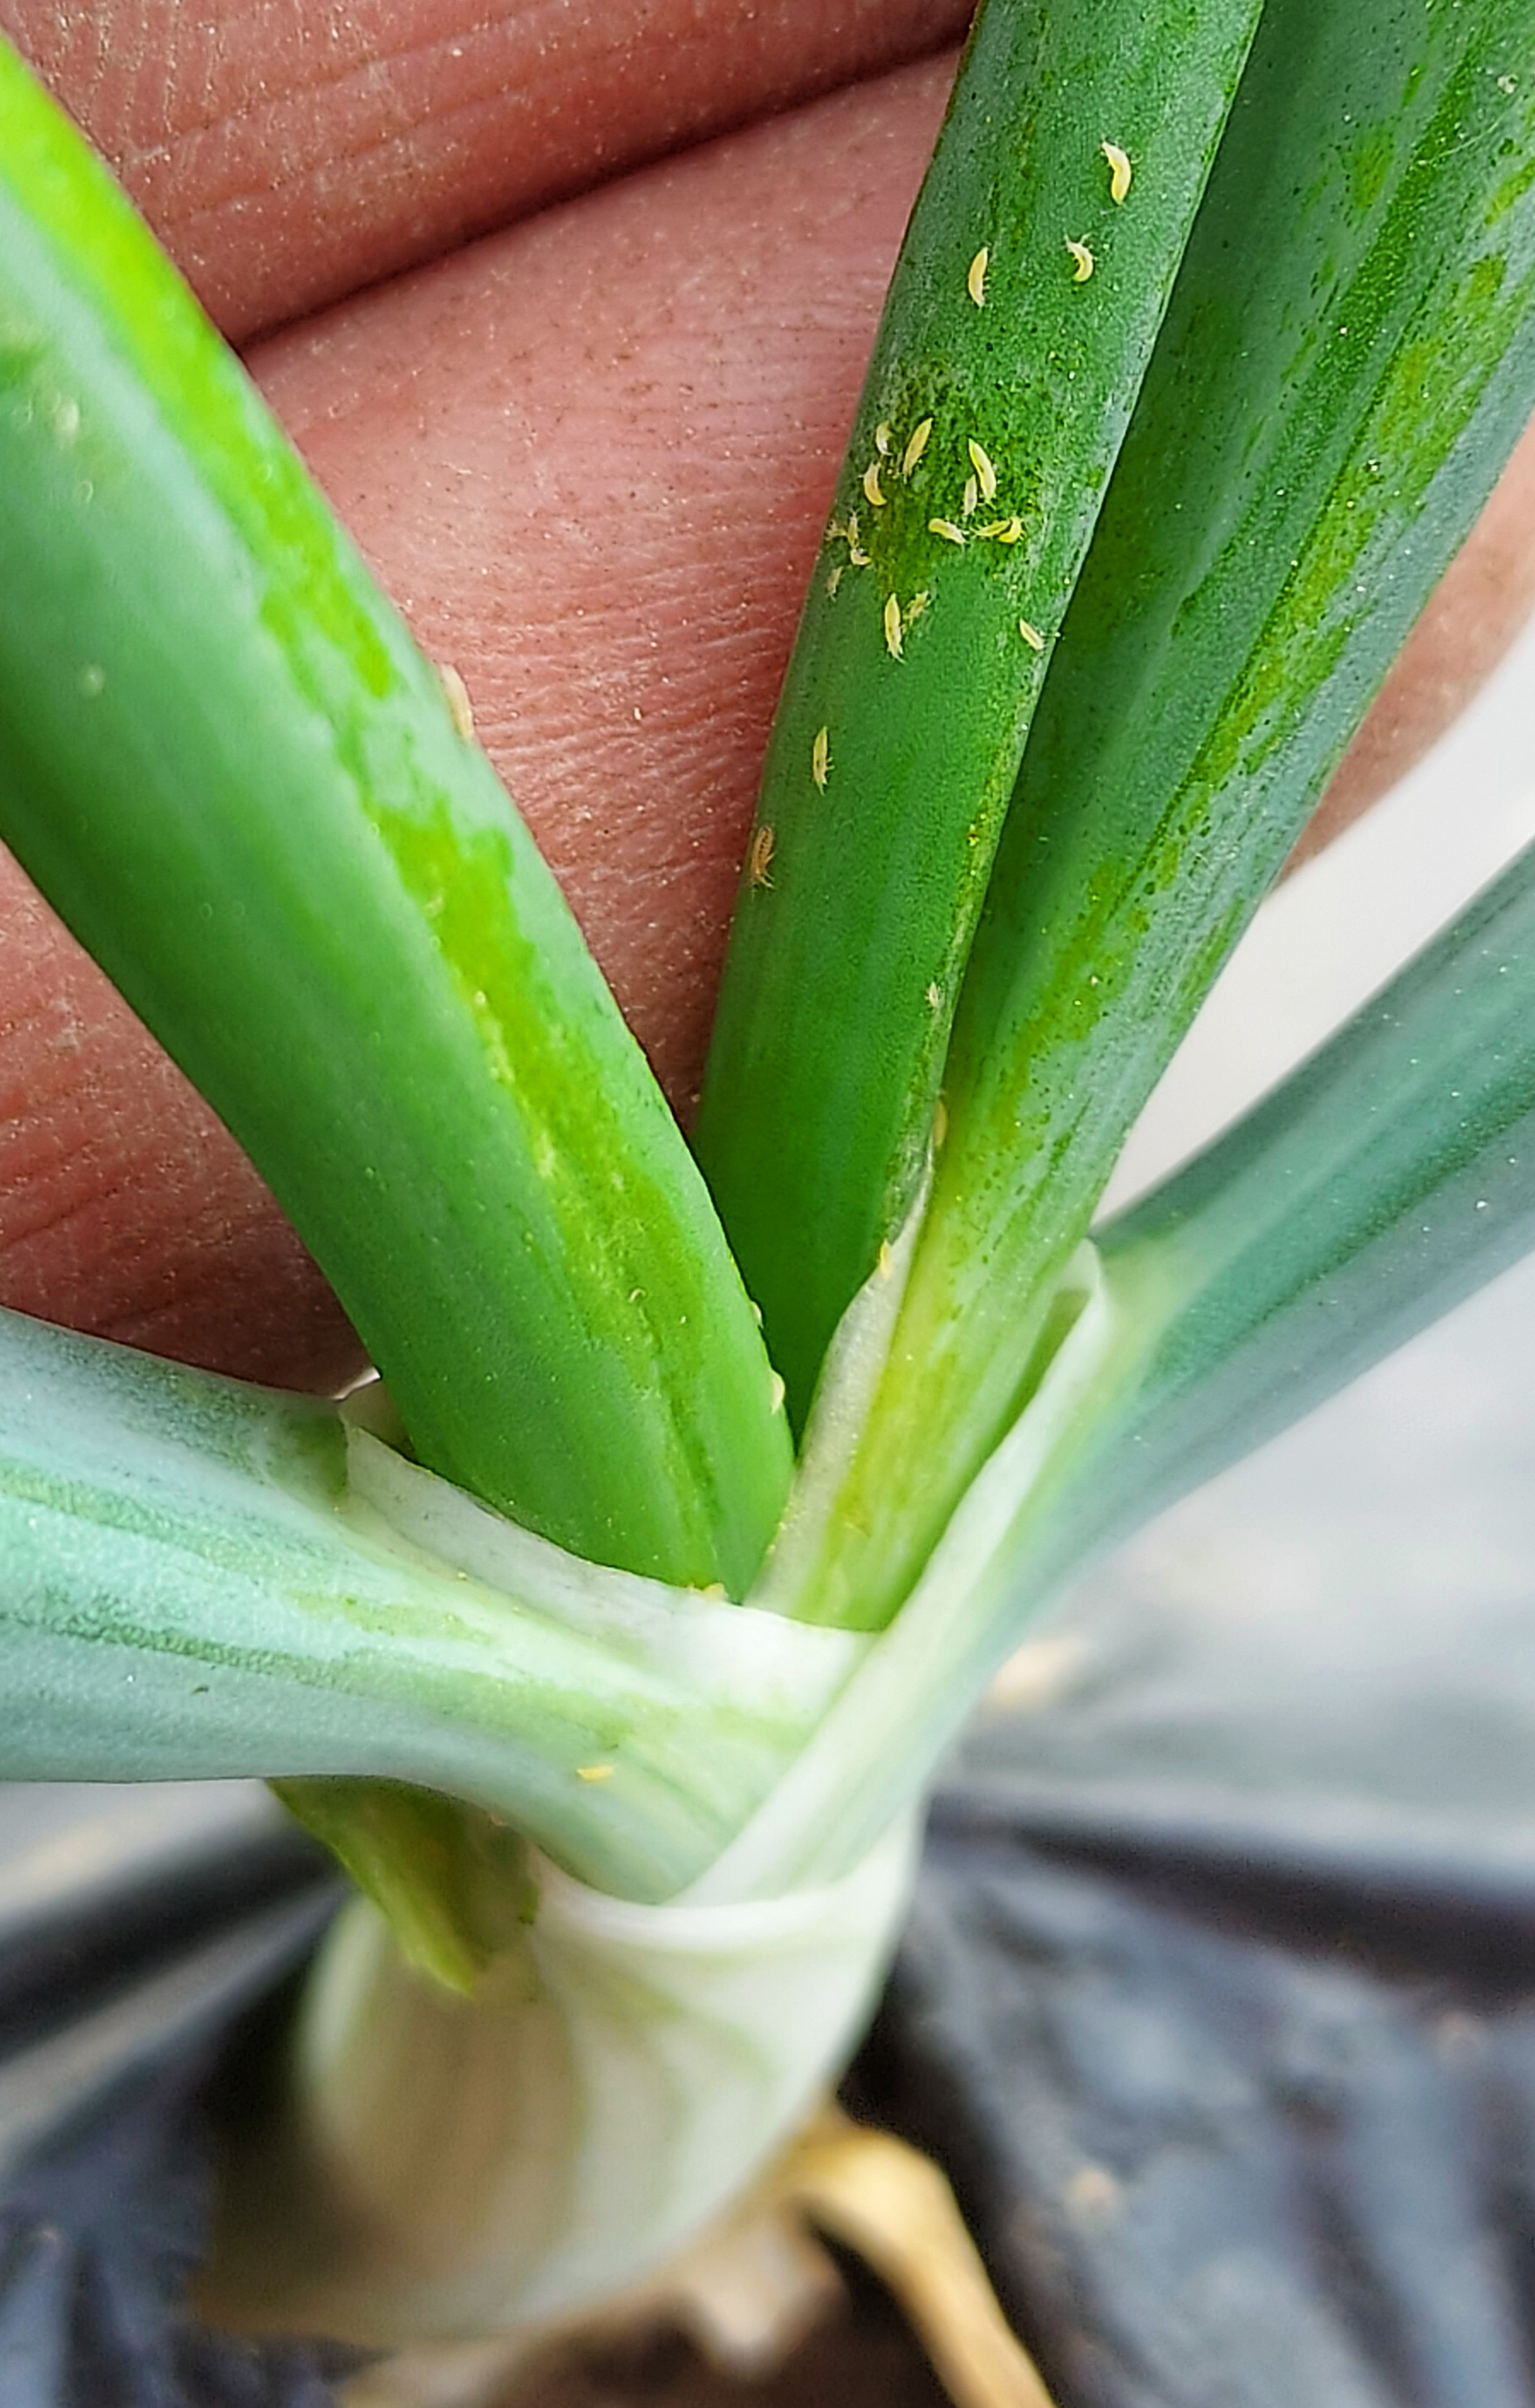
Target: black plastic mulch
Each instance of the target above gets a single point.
(118, 1998)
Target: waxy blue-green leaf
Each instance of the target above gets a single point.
(1034, 276)
(224, 760)
(191, 1584)
(1348, 359)
(1388, 1176)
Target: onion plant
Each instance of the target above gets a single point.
(611, 1639)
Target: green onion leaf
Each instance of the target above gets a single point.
(1388, 1176)
(225, 762)
(1347, 361)
(200, 1579)
(995, 404)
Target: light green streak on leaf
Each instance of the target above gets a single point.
(225, 762)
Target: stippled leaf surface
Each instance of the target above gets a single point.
(1034, 277)
(1347, 360)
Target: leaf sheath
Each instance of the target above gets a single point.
(193, 1583)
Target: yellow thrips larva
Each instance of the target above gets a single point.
(892, 628)
(1010, 531)
(983, 469)
(916, 608)
(975, 277)
(947, 529)
(1031, 635)
(1083, 258)
(856, 559)
(835, 580)
(1120, 170)
(916, 446)
(594, 1773)
(871, 485)
(778, 1392)
(759, 860)
(821, 757)
(460, 709)
(940, 1124)
(883, 436)
(971, 496)
(935, 996)
(887, 1260)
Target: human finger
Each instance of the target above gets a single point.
(288, 156)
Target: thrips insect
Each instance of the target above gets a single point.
(1120, 170)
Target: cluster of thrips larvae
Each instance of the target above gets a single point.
(980, 486)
